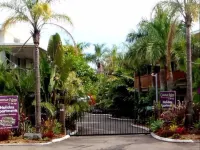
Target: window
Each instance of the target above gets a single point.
(18, 61)
(8, 58)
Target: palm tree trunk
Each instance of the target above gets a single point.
(165, 78)
(162, 77)
(169, 73)
(189, 108)
(170, 80)
(36, 38)
(168, 57)
(139, 82)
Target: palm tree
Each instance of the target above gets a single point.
(137, 60)
(98, 56)
(37, 14)
(155, 40)
(111, 60)
(81, 46)
(59, 64)
(189, 10)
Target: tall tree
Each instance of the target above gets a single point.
(37, 14)
(155, 39)
(98, 56)
(111, 60)
(189, 11)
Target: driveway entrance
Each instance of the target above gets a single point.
(105, 124)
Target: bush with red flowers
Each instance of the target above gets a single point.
(4, 134)
(165, 133)
(180, 130)
(48, 134)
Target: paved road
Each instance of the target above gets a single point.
(136, 142)
(97, 124)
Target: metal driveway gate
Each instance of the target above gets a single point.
(105, 123)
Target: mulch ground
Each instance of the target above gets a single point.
(20, 140)
(190, 137)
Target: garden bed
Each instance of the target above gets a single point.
(190, 137)
(182, 138)
(20, 140)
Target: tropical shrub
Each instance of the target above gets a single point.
(51, 125)
(180, 130)
(173, 128)
(48, 134)
(167, 116)
(156, 125)
(24, 126)
(165, 133)
(4, 134)
(57, 127)
(197, 125)
(196, 109)
(176, 136)
(175, 114)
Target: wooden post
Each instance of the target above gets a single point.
(62, 118)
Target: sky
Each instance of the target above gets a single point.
(94, 21)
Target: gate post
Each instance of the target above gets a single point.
(62, 119)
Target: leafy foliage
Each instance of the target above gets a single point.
(173, 127)
(165, 133)
(156, 125)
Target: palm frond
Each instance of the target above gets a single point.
(61, 17)
(68, 33)
(83, 45)
(12, 20)
(50, 108)
(11, 7)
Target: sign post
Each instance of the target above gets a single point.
(62, 118)
(167, 98)
(9, 112)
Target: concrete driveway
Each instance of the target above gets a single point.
(134, 142)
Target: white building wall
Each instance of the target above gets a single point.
(2, 54)
(6, 37)
(2, 57)
(1, 37)
(9, 38)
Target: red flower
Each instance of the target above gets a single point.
(180, 130)
(92, 100)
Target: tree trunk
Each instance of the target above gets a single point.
(36, 38)
(169, 80)
(139, 82)
(162, 78)
(189, 108)
(165, 78)
(168, 58)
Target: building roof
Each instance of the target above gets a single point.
(26, 52)
(12, 45)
